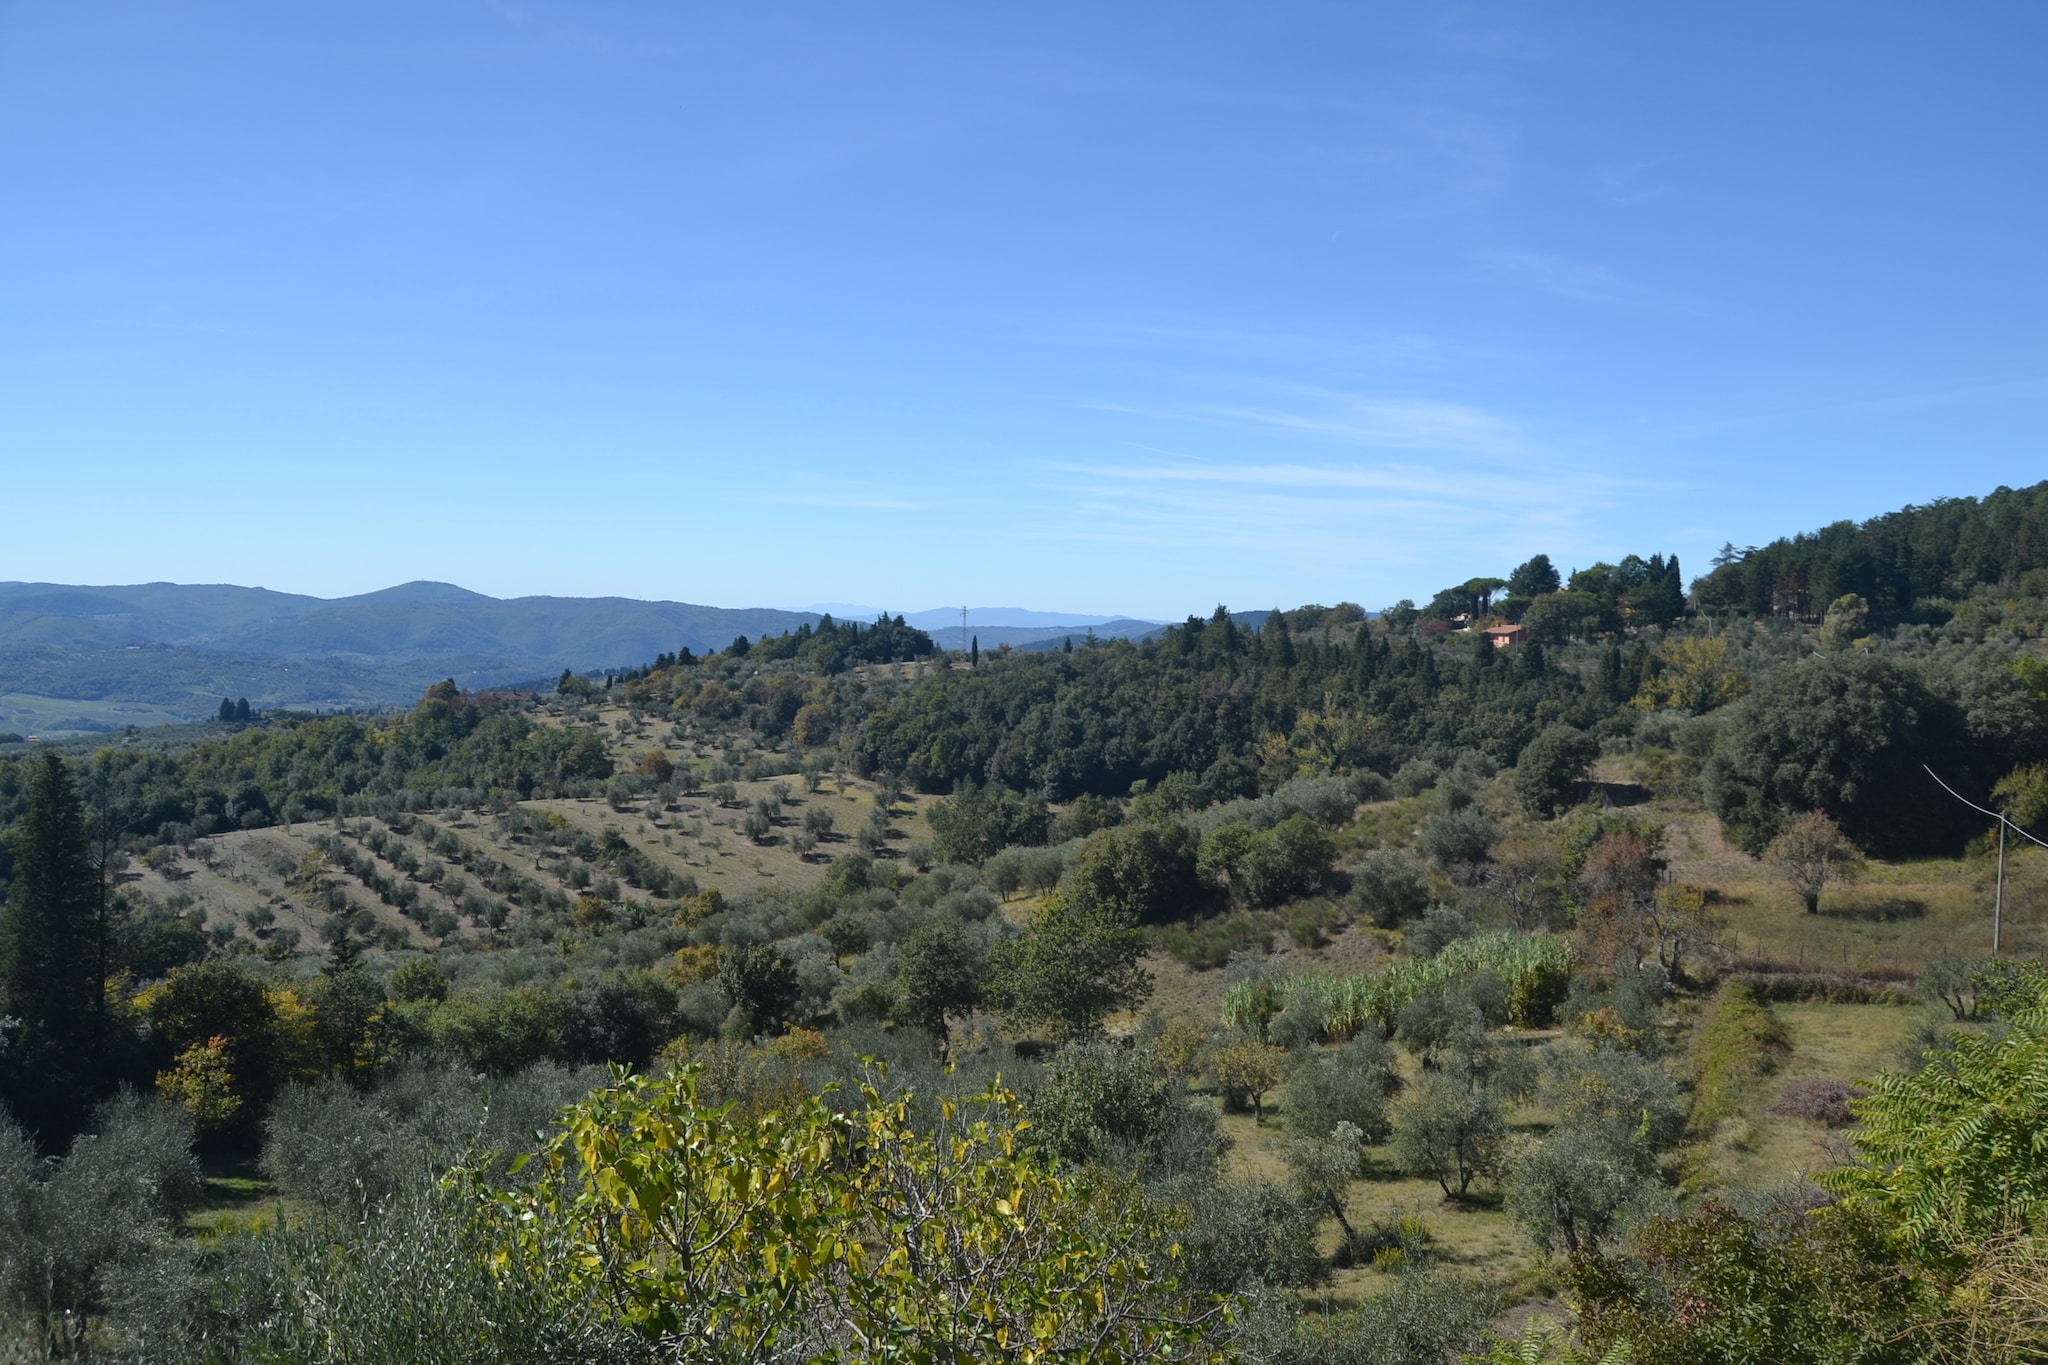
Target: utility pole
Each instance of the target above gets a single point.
(2004, 823)
(963, 630)
(1998, 898)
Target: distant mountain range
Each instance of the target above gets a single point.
(156, 651)
(92, 658)
(1017, 627)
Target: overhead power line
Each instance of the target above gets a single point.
(2004, 823)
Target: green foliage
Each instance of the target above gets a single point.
(1595, 1172)
(1323, 1166)
(1350, 1083)
(1957, 1152)
(759, 983)
(1846, 734)
(1070, 969)
(1534, 578)
(1387, 887)
(1457, 840)
(1740, 1041)
(1448, 1131)
(1203, 698)
(419, 978)
(411, 1282)
(1895, 562)
(1534, 970)
(1427, 1316)
(1848, 617)
(816, 1235)
(1246, 1069)
(1145, 873)
(1249, 1234)
(1551, 773)
(941, 975)
(1290, 860)
(976, 823)
(498, 1032)
(835, 646)
(1545, 1342)
(1108, 1103)
(1811, 852)
(1791, 1284)
(2023, 795)
(69, 1228)
(52, 935)
(224, 999)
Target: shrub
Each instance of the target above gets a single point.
(1387, 887)
(1740, 1041)
(1106, 1103)
(941, 974)
(1414, 777)
(1246, 1070)
(68, 1228)
(1551, 772)
(836, 1237)
(1210, 943)
(1350, 1083)
(1790, 1283)
(1580, 1186)
(1289, 860)
(1440, 926)
(1071, 968)
(1247, 1234)
(1457, 841)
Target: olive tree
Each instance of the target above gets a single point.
(1450, 1132)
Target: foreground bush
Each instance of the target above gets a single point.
(813, 1235)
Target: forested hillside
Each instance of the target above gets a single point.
(1919, 563)
(1569, 969)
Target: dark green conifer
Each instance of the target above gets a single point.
(49, 933)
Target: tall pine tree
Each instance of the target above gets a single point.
(49, 934)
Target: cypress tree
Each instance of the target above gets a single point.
(49, 934)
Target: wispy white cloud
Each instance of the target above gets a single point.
(1322, 523)
(1394, 481)
(1567, 279)
(1350, 419)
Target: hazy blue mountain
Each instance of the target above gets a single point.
(178, 648)
(979, 619)
(948, 618)
(182, 647)
(1038, 637)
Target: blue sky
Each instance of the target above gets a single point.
(1096, 307)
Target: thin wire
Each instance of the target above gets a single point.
(1999, 816)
